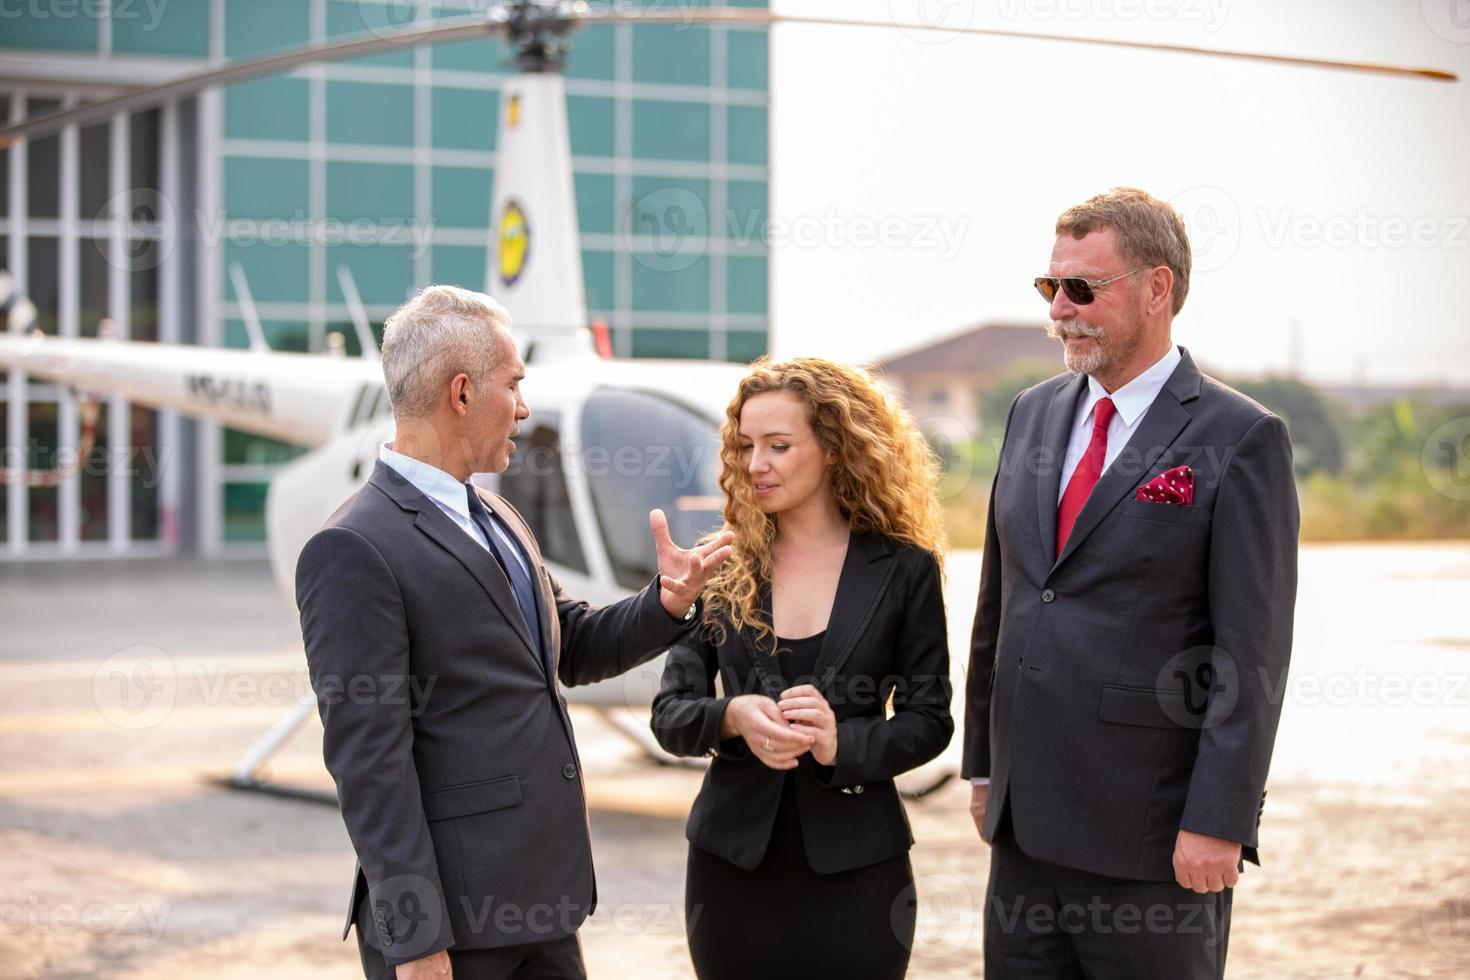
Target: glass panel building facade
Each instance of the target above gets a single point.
(383, 166)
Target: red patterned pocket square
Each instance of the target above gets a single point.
(1174, 486)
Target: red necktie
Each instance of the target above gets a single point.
(1089, 468)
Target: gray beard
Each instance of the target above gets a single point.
(1089, 363)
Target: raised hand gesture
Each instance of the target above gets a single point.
(682, 572)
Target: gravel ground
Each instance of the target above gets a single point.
(123, 859)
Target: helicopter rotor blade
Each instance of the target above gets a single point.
(764, 17)
(502, 20)
(491, 23)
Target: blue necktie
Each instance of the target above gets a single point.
(520, 582)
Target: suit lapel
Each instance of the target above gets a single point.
(1056, 432)
(860, 588)
(760, 651)
(1161, 425)
(443, 531)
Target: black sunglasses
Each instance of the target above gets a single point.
(1080, 291)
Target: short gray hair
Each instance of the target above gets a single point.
(1150, 232)
(441, 332)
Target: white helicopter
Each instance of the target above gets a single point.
(607, 441)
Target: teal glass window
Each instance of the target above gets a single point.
(458, 265)
(52, 31)
(376, 191)
(461, 196)
(267, 109)
(595, 203)
(478, 55)
(747, 287)
(598, 273)
(592, 54)
(262, 187)
(281, 335)
(244, 511)
(465, 118)
(748, 59)
(254, 27)
(160, 28)
(745, 346)
(365, 112)
(664, 342)
(383, 273)
(276, 273)
(746, 216)
(681, 290)
(749, 140)
(590, 120)
(348, 17)
(671, 54)
(670, 130)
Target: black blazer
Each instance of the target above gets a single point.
(886, 637)
(1084, 701)
(445, 730)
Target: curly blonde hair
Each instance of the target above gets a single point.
(884, 480)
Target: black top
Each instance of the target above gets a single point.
(797, 659)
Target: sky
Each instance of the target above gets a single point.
(917, 179)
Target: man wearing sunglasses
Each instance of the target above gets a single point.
(1135, 614)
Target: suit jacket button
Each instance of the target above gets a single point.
(569, 771)
(1047, 595)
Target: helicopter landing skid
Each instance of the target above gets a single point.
(245, 775)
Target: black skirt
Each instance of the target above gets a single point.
(785, 920)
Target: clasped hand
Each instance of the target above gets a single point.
(780, 732)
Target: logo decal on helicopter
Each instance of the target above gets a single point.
(252, 396)
(515, 243)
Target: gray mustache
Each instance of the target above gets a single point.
(1062, 329)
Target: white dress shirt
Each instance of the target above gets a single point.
(452, 499)
(1132, 402)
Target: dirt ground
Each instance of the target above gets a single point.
(122, 859)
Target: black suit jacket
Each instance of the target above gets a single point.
(886, 637)
(445, 730)
(1124, 690)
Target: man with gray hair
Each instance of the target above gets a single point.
(437, 643)
(1136, 599)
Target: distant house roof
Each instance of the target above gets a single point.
(985, 349)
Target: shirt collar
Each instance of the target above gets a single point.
(430, 480)
(1137, 395)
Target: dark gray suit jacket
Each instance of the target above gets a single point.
(1131, 687)
(445, 731)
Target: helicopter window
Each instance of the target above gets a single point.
(643, 451)
(357, 407)
(536, 485)
(381, 406)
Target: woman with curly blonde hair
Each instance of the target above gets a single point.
(826, 629)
